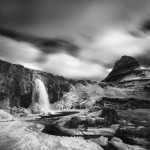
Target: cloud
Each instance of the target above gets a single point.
(75, 38)
(63, 63)
(113, 44)
(144, 58)
(72, 67)
(31, 65)
(46, 45)
(18, 52)
(55, 18)
(109, 70)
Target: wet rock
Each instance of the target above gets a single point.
(123, 146)
(20, 135)
(99, 121)
(13, 110)
(147, 88)
(90, 122)
(5, 116)
(35, 108)
(103, 141)
(110, 115)
(115, 139)
(131, 131)
(73, 123)
(26, 111)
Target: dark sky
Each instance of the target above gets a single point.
(74, 38)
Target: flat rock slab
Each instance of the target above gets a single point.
(90, 131)
(123, 146)
(20, 135)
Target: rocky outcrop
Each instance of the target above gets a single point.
(20, 135)
(110, 115)
(73, 123)
(123, 146)
(6, 117)
(16, 84)
(122, 68)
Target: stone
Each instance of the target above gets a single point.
(103, 141)
(147, 88)
(110, 115)
(35, 108)
(20, 135)
(90, 122)
(16, 85)
(99, 121)
(123, 146)
(74, 122)
(13, 110)
(115, 139)
(26, 111)
(5, 116)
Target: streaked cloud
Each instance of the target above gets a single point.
(72, 67)
(76, 39)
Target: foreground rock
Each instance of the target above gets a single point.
(5, 117)
(123, 146)
(115, 139)
(110, 115)
(103, 141)
(19, 135)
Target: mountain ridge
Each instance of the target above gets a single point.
(125, 69)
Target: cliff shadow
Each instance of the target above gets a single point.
(26, 100)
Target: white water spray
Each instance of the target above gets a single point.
(43, 99)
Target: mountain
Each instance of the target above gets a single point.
(127, 69)
(129, 75)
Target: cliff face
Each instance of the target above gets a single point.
(16, 84)
(127, 68)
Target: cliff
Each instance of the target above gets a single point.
(16, 84)
(125, 69)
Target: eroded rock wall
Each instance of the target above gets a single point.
(16, 84)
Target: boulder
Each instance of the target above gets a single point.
(90, 122)
(115, 139)
(73, 123)
(123, 146)
(110, 115)
(99, 121)
(35, 108)
(13, 110)
(5, 116)
(103, 141)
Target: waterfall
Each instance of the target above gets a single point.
(43, 99)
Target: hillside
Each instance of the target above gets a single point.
(127, 69)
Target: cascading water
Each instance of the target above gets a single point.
(42, 96)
